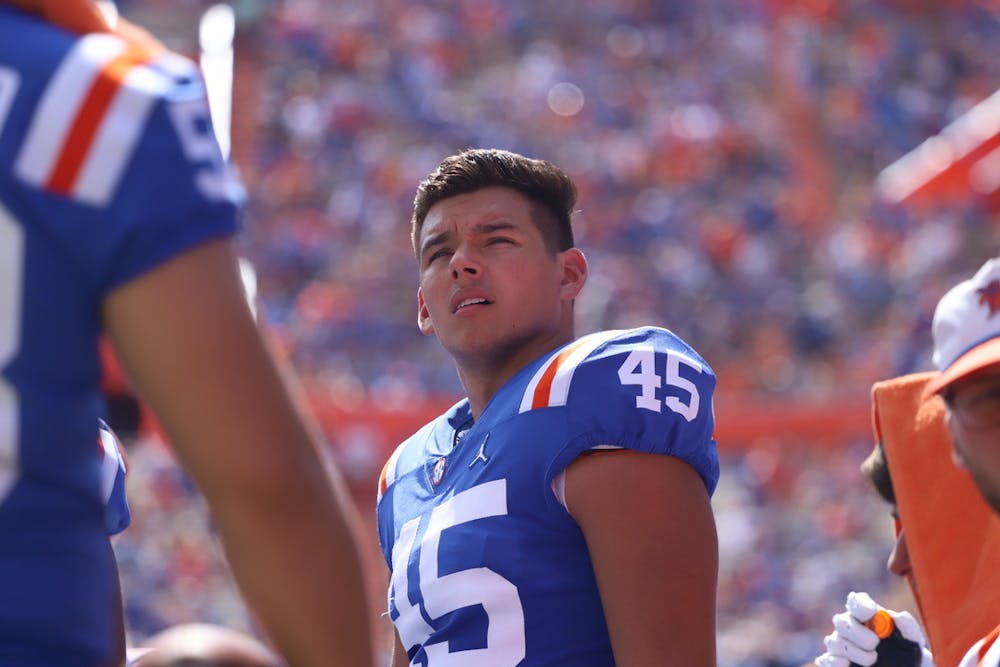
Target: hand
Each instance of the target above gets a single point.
(84, 16)
(852, 642)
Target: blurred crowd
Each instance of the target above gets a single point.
(726, 153)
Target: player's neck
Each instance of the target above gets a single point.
(482, 377)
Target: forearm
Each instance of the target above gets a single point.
(287, 513)
(187, 338)
(302, 536)
(289, 529)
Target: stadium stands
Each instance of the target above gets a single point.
(728, 155)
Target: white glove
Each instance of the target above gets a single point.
(852, 641)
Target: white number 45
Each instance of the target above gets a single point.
(639, 369)
(444, 593)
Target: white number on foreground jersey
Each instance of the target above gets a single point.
(441, 594)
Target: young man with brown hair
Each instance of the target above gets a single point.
(558, 515)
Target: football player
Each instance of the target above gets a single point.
(558, 515)
(117, 214)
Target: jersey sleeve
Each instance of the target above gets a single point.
(643, 389)
(117, 515)
(119, 160)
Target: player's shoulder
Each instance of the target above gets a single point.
(606, 361)
(642, 389)
(93, 97)
(77, 64)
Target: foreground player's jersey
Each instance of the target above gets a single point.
(488, 567)
(108, 167)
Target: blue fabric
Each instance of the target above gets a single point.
(487, 561)
(60, 255)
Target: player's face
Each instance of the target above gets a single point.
(490, 290)
(974, 420)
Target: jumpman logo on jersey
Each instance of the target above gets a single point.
(481, 456)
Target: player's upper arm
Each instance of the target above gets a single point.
(186, 336)
(651, 536)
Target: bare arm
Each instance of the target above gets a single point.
(651, 535)
(399, 658)
(186, 336)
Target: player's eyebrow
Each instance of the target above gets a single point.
(433, 240)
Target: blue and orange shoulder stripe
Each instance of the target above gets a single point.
(989, 645)
(550, 385)
(91, 116)
(388, 474)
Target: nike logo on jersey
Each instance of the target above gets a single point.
(481, 456)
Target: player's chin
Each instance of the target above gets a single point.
(472, 343)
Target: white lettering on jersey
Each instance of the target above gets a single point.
(638, 369)
(89, 119)
(410, 625)
(11, 281)
(10, 80)
(442, 594)
(192, 120)
(550, 384)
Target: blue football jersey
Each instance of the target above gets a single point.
(488, 567)
(109, 168)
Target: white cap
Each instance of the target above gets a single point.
(967, 327)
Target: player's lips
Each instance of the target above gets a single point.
(466, 299)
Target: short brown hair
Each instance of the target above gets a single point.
(875, 468)
(547, 186)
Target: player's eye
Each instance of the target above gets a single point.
(437, 254)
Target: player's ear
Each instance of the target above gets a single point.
(574, 273)
(956, 453)
(423, 315)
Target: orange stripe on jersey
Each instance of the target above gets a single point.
(86, 124)
(987, 643)
(540, 399)
(383, 483)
